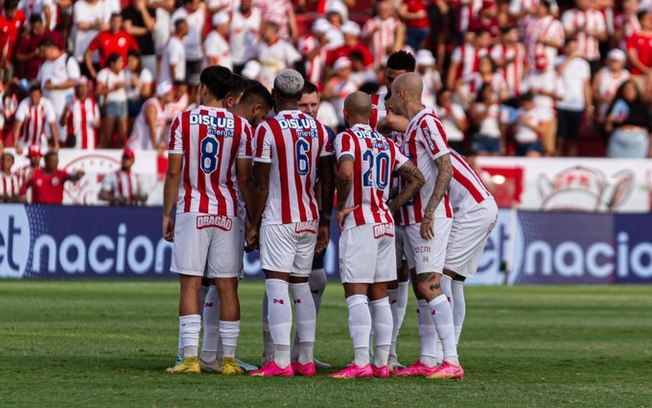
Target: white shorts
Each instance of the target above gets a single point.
(399, 244)
(208, 243)
(368, 254)
(288, 247)
(427, 255)
(468, 237)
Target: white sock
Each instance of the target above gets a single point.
(229, 333)
(383, 325)
(210, 320)
(459, 308)
(279, 318)
(179, 350)
(189, 327)
(268, 343)
(371, 332)
(443, 318)
(427, 333)
(203, 291)
(359, 327)
(306, 320)
(399, 306)
(446, 282)
(317, 281)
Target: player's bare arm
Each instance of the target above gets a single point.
(260, 193)
(246, 182)
(392, 123)
(170, 193)
(327, 187)
(444, 176)
(414, 179)
(344, 185)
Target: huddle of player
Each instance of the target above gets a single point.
(404, 202)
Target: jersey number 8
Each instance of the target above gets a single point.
(209, 149)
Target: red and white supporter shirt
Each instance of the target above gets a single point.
(211, 140)
(468, 59)
(293, 143)
(383, 36)
(375, 158)
(9, 187)
(547, 28)
(467, 189)
(587, 26)
(35, 119)
(315, 67)
(81, 117)
(514, 71)
(124, 185)
(424, 142)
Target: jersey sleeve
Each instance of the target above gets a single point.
(399, 158)
(344, 145)
(176, 138)
(245, 149)
(263, 141)
(72, 68)
(433, 137)
(326, 145)
(21, 112)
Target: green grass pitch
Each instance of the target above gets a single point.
(107, 343)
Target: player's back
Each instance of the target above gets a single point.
(375, 158)
(292, 142)
(467, 189)
(211, 139)
(424, 142)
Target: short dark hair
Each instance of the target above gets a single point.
(35, 87)
(527, 97)
(641, 14)
(178, 23)
(308, 88)
(9, 155)
(370, 87)
(238, 85)
(113, 57)
(218, 80)
(134, 53)
(257, 93)
(35, 18)
(49, 154)
(401, 61)
(114, 15)
(356, 56)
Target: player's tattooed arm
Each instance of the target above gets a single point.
(344, 180)
(442, 183)
(414, 180)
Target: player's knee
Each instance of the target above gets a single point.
(317, 280)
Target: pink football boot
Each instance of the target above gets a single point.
(271, 369)
(354, 371)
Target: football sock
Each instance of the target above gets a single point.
(446, 282)
(189, 327)
(383, 325)
(279, 318)
(179, 349)
(359, 327)
(268, 343)
(459, 308)
(399, 306)
(427, 333)
(210, 320)
(442, 316)
(229, 333)
(317, 281)
(306, 320)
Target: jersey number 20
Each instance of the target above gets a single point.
(381, 162)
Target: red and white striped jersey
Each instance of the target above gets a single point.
(124, 185)
(24, 174)
(383, 37)
(35, 119)
(547, 28)
(468, 58)
(514, 71)
(211, 140)
(425, 141)
(586, 25)
(467, 189)
(378, 110)
(9, 186)
(375, 159)
(140, 136)
(81, 117)
(468, 10)
(292, 142)
(626, 25)
(314, 67)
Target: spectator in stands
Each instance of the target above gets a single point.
(589, 26)
(510, 58)
(275, 54)
(25, 173)
(35, 122)
(139, 81)
(487, 20)
(466, 57)
(173, 63)
(626, 24)
(89, 18)
(180, 101)
(351, 31)
(112, 41)
(8, 107)
(469, 86)
(453, 118)
(427, 68)
(11, 25)
(312, 47)
(28, 50)
(254, 104)
(47, 182)
(81, 118)
(194, 12)
(339, 86)
(245, 25)
(384, 33)
(111, 86)
(9, 182)
(607, 81)
(122, 187)
(639, 50)
(336, 16)
(629, 123)
(281, 12)
(415, 16)
(361, 73)
(163, 28)
(545, 36)
(485, 114)
(529, 127)
(46, 9)
(575, 74)
(147, 133)
(57, 76)
(139, 22)
(216, 47)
